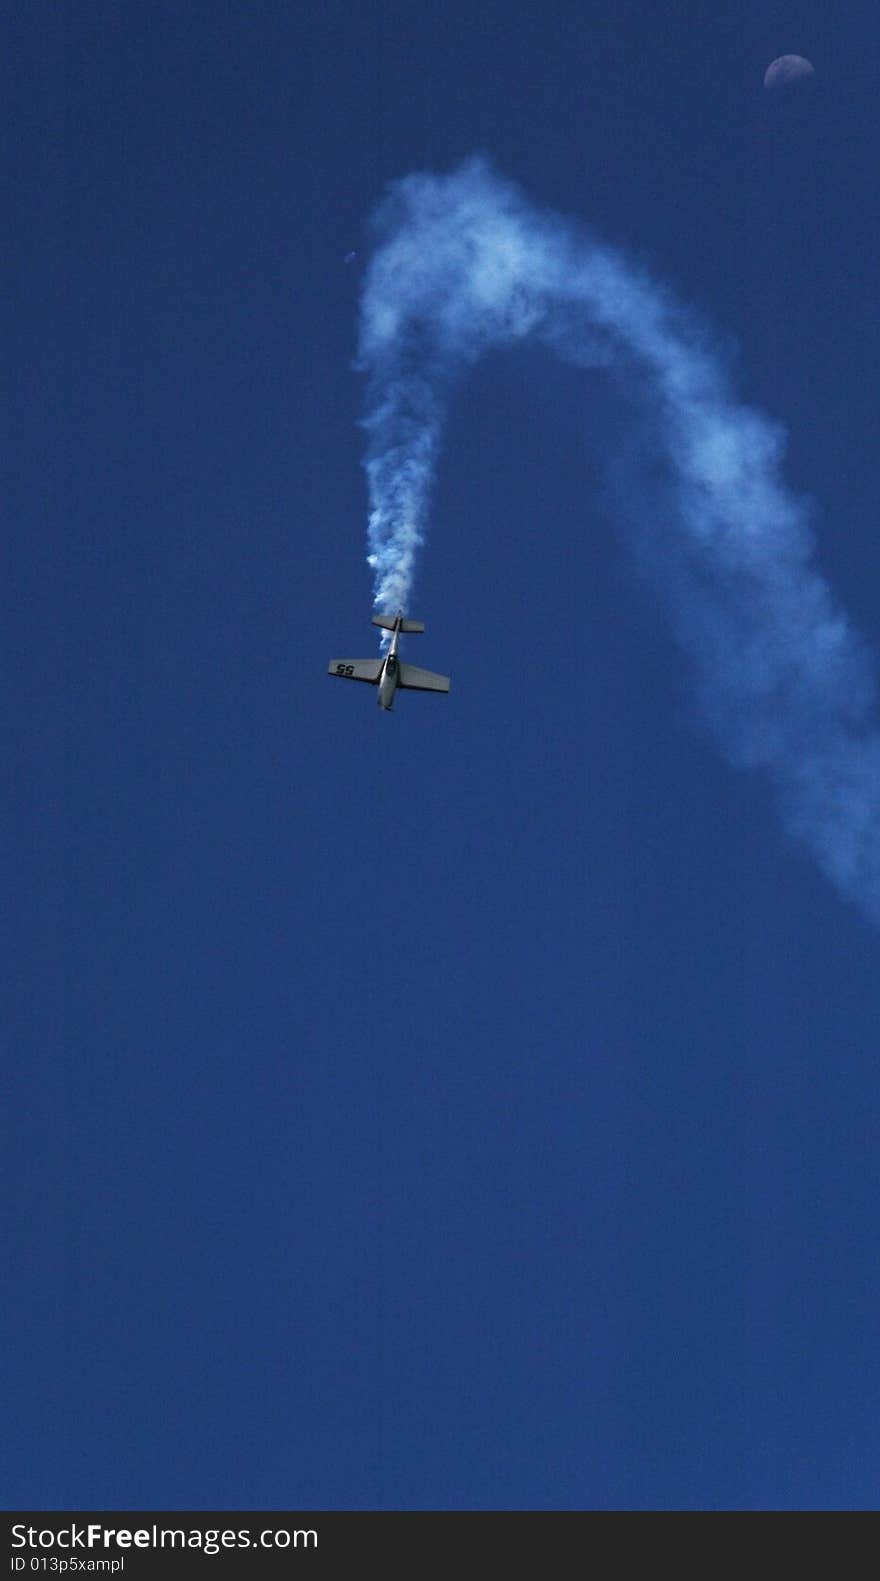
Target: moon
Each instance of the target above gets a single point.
(787, 71)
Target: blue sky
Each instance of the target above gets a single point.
(476, 1106)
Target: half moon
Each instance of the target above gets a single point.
(786, 70)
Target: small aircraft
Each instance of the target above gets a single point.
(391, 672)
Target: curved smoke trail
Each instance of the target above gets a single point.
(463, 264)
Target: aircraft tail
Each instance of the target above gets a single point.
(389, 622)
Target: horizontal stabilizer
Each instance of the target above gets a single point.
(412, 679)
(390, 621)
(356, 669)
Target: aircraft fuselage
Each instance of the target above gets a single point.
(390, 673)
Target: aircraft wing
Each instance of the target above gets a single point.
(412, 679)
(356, 669)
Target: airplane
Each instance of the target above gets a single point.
(391, 672)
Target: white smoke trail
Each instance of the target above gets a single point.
(463, 264)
